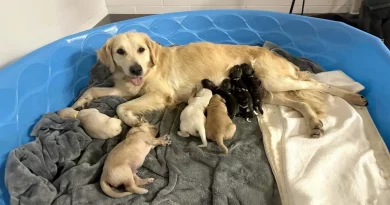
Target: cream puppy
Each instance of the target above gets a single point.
(192, 118)
(122, 162)
(96, 125)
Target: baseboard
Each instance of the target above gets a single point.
(93, 21)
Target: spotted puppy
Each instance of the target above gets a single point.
(254, 86)
(224, 90)
(241, 93)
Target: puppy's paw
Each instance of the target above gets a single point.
(202, 145)
(149, 180)
(167, 140)
(142, 191)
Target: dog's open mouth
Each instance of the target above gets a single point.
(137, 81)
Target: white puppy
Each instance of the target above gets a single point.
(192, 118)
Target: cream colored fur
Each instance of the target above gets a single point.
(219, 126)
(192, 118)
(96, 125)
(122, 162)
(170, 73)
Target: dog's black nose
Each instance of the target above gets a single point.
(136, 69)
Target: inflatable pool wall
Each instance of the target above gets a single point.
(49, 78)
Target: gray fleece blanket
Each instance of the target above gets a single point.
(63, 165)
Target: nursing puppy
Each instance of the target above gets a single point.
(224, 90)
(192, 118)
(240, 91)
(254, 86)
(122, 162)
(164, 76)
(219, 126)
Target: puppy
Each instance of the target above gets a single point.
(219, 126)
(240, 91)
(122, 162)
(225, 92)
(254, 86)
(96, 125)
(192, 118)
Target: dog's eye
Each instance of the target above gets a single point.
(141, 49)
(120, 51)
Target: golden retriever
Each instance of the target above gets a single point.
(163, 76)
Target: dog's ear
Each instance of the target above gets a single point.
(154, 50)
(104, 54)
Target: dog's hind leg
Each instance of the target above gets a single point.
(288, 84)
(314, 124)
(202, 135)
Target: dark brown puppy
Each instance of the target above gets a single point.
(241, 93)
(254, 86)
(225, 93)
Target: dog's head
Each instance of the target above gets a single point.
(235, 72)
(247, 70)
(133, 53)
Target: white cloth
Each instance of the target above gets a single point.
(349, 165)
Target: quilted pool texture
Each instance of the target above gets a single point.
(49, 78)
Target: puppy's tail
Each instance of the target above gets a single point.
(107, 189)
(219, 140)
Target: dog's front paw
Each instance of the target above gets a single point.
(82, 102)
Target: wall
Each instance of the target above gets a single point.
(163, 6)
(29, 24)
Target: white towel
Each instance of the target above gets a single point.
(349, 165)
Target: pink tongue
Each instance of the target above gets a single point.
(137, 81)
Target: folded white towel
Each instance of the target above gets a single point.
(349, 165)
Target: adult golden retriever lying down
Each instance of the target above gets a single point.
(163, 76)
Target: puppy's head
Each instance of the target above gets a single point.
(67, 113)
(145, 127)
(132, 53)
(235, 72)
(205, 94)
(226, 85)
(206, 83)
(247, 70)
(217, 100)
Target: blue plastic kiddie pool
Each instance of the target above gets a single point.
(49, 78)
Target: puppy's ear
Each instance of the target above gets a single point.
(154, 50)
(104, 54)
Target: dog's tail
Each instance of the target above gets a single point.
(111, 191)
(219, 140)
